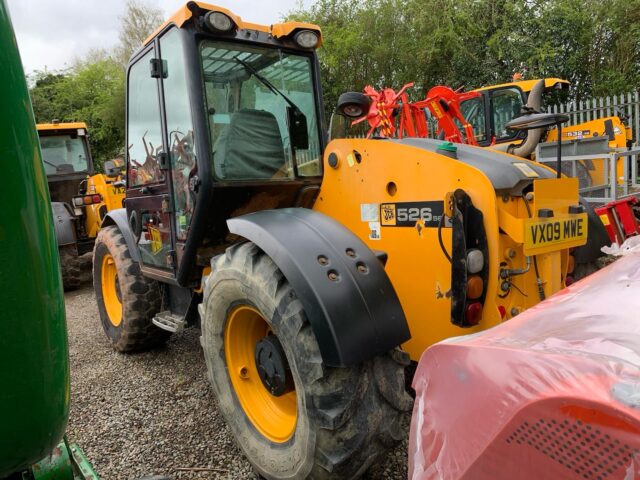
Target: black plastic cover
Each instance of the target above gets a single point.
(357, 314)
(65, 224)
(468, 233)
(596, 239)
(497, 166)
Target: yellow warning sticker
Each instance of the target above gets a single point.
(156, 240)
(436, 109)
(350, 160)
(526, 169)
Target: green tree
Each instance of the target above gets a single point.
(138, 22)
(593, 44)
(91, 92)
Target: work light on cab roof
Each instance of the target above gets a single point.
(219, 22)
(307, 38)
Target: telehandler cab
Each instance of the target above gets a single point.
(308, 264)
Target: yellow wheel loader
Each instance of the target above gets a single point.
(80, 198)
(316, 270)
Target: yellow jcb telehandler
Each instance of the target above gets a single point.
(80, 198)
(316, 270)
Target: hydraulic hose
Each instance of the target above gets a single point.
(535, 261)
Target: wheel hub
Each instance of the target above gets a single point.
(272, 366)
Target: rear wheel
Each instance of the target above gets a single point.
(127, 300)
(70, 267)
(293, 416)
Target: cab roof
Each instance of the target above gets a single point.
(278, 30)
(60, 126)
(527, 85)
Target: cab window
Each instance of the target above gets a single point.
(64, 154)
(473, 112)
(507, 104)
(179, 129)
(144, 134)
(251, 94)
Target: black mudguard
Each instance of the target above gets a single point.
(118, 217)
(597, 237)
(65, 224)
(355, 316)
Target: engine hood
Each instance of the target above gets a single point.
(505, 172)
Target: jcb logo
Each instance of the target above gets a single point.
(388, 214)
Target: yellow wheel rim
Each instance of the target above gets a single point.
(274, 417)
(111, 290)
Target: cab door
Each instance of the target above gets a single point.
(148, 201)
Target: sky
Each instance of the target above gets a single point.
(52, 33)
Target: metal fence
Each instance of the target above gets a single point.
(591, 109)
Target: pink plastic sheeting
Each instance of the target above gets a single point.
(551, 394)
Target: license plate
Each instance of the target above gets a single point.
(548, 235)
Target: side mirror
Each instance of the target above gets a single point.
(353, 104)
(530, 121)
(298, 130)
(111, 169)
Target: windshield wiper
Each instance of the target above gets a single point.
(267, 83)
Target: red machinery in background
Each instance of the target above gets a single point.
(442, 102)
(620, 218)
(553, 393)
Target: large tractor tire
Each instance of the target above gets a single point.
(127, 300)
(70, 267)
(293, 416)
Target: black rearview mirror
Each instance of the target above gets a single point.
(353, 104)
(530, 121)
(298, 130)
(111, 170)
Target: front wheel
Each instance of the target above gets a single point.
(127, 300)
(293, 416)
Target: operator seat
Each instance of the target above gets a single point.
(250, 147)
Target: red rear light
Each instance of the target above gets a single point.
(503, 311)
(473, 314)
(96, 199)
(569, 280)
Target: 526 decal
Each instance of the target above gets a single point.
(406, 214)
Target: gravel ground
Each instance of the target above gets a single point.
(154, 412)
